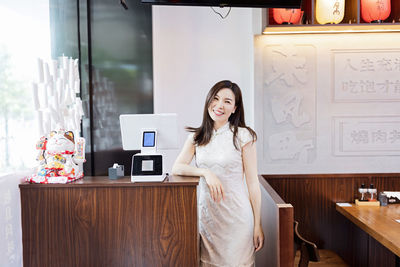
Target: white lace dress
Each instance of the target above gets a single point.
(226, 227)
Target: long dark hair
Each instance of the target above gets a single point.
(202, 134)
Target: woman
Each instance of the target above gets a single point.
(225, 149)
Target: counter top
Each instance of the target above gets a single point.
(104, 181)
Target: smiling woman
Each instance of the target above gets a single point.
(224, 151)
(222, 106)
(30, 22)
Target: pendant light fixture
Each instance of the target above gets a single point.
(329, 11)
(287, 15)
(375, 10)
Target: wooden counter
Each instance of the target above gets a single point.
(100, 222)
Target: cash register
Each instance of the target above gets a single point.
(156, 133)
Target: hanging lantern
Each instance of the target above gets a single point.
(375, 10)
(329, 11)
(287, 15)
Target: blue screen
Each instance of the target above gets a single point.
(149, 139)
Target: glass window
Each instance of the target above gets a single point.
(24, 37)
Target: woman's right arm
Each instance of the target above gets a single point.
(182, 163)
(182, 167)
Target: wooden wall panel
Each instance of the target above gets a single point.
(379, 255)
(286, 236)
(313, 198)
(103, 226)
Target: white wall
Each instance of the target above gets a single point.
(347, 87)
(193, 48)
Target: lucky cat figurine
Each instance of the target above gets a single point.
(56, 158)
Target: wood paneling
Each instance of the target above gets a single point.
(313, 198)
(379, 255)
(286, 236)
(99, 225)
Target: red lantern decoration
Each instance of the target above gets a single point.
(375, 10)
(287, 15)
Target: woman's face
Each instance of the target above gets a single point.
(222, 106)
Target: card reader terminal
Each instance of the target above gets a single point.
(147, 166)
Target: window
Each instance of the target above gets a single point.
(24, 37)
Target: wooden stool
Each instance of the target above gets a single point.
(307, 253)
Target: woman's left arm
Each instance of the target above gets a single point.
(249, 155)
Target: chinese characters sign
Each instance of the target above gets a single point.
(372, 75)
(289, 104)
(367, 136)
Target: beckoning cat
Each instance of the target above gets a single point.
(56, 158)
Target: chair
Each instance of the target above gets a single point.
(309, 252)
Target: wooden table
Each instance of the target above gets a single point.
(378, 222)
(100, 222)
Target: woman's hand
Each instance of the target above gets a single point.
(214, 184)
(258, 237)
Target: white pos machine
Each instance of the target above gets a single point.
(150, 133)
